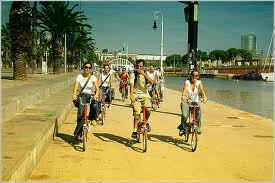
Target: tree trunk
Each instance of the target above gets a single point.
(34, 41)
(20, 26)
(56, 53)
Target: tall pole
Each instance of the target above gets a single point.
(161, 43)
(65, 54)
(191, 16)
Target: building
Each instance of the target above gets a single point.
(150, 57)
(249, 42)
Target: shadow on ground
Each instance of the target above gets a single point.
(170, 140)
(70, 140)
(107, 137)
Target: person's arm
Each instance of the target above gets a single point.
(203, 93)
(132, 98)
(98, 79)
(184, 91)
(151, 81)
(96, 90)
(76, 84)
(111, 81)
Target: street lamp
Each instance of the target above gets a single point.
(45, 64)
(126, 49)
(161, 44)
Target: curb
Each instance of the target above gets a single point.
(25, 166)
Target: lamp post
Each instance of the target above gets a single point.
(161, 44)
(45, 64)
(65, 54)
(126, 49)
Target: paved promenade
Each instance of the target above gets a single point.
(234, 145)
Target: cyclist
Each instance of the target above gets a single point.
(191, 89)
(85, 96)
(105, 79)
(154, 75)
(160, 84)
(113, 73)
(139, 93)
(124, 81)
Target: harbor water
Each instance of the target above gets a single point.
(250, 96)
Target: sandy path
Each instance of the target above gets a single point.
(234, 146)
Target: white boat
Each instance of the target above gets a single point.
(268, 76)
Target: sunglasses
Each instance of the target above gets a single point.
(86, 67)
(195, 75)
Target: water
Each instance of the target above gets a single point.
(250, 96)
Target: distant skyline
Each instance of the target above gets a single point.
(221, 24)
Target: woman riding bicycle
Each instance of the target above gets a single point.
(85, 96)
(191, 89)
(105, 80)
(124, 81)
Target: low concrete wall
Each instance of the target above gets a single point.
(18, 104)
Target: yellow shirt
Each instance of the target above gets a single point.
(140, 88)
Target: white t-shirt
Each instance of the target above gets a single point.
(107, 81)
(89, 88)
(193, 95)
(153, 76)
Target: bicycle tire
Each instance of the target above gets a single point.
(186, 135)
(194, 140)
(144, 141)
(84, 137)
(103, 115)
(123, 94)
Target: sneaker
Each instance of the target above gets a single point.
(110, 107)
(148, 127)
(199, 131)
(181, 132)
(134, 135)
(77, 138)
(93, 122)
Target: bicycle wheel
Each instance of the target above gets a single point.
(194, 139)
(144, 141)
(123, 94)
(186, 135)
(103, 114)
(84, 137)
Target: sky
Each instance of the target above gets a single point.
(221, 24)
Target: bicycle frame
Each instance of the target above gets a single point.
(86, 125)
(192, 125)
(142, 128)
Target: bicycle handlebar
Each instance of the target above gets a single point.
(90, 100)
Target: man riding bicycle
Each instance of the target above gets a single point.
(190, 93)
(139, 94)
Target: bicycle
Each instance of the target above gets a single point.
(154, 99)
(142, 128)
(103, 107)
(86, 126)
(123, 90)
(192, 125)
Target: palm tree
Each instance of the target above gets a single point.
(58, 19)
(6, 45)
(20, 28)
(34, 38)
(80, 41)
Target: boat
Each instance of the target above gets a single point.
(268, 76)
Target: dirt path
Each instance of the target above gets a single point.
(234, 146)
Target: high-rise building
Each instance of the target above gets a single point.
(248, 42)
